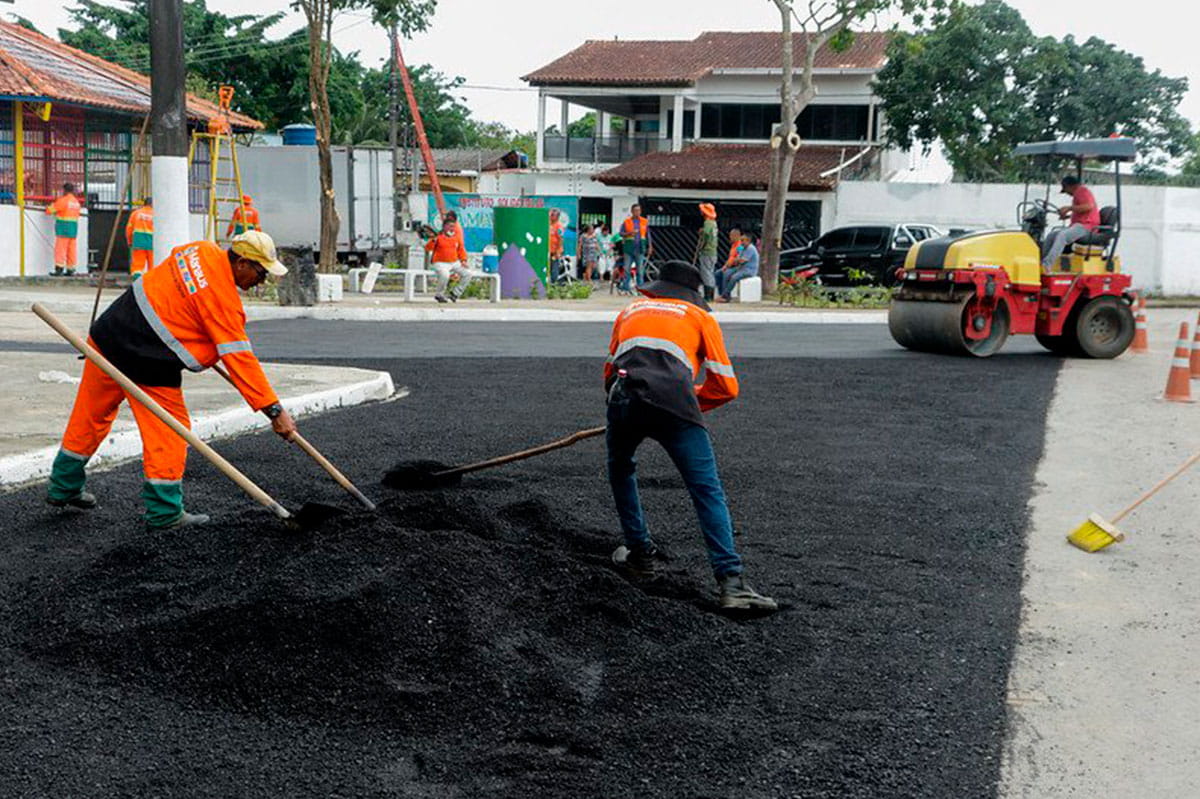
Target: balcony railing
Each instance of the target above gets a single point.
(600, 149)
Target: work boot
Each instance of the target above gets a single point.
(440, 298)
(736, 595)
(83, 500)
(709, 292)
(58, 271)
(453, 297)
(641, 563)
(184, 519)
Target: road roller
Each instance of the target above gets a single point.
(966, 294)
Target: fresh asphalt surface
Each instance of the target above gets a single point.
(477, 642)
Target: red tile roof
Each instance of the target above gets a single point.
(39, 68)
(724, 166)
(682, 63)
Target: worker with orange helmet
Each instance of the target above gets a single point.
(706, 249)
(139, 235)
(65, 210)
(184, 313)
(245, 217)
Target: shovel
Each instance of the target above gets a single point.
(422, 475)
(312, 452)
(310, 515)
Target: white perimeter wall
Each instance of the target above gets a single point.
(1160, 235)
(39, 242)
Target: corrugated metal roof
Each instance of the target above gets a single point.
(682, 63)
(37, 67)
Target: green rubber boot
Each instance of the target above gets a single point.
(164, 502)
(67, 478)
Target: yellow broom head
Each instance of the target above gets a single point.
(1095, 534)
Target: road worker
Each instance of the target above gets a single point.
(139, 234)
(635, 242)
(448, 256)
(666, 366)
(706, 248)
(65, 210)
(184, 313)
(245, 217)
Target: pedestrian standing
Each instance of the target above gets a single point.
(139, 235)
(556, 246)
(589, 251)
(706, 247)
(662, 345)
(448, 256)
(65, 210)
(636, 245)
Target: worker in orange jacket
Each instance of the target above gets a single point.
(139, 235)
(65, 210)
(666, 366)
(184, 313)
(245, 217)
(448, 256)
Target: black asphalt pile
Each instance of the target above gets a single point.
(476, 641)
(419, 475)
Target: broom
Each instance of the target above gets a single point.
(1096, 533)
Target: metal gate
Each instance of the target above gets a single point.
(675, 222)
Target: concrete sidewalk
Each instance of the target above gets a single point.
(39, 390)
(78, 298)
(1102, 691)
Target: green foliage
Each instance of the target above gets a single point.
(579, 290)
(982, 82)
(806, 294)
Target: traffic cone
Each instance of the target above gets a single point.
(1140, 342)
(1195, 359)
(1179, 387)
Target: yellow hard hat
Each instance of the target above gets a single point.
(258, 246)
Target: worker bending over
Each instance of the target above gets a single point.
(65, 210)
(139, 235)
(183, 313)
(666, 366)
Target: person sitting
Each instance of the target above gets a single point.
(448, 256)
(1085, 218)
(745, 265)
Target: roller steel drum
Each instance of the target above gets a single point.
(930, 326)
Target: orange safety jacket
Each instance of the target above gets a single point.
(674, 356)
(239, 223)
(735, 249)
(139, 231)
(184, 313)
(66, 216)
(447, 248)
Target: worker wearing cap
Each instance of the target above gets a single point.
(706, 249)
(1085, 218)
(666, 366)
(139, 235)
(65, 210)
(448, 256)
(184, 313)
(245, 217)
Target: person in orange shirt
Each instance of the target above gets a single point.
(245, 217)
(139, 235)
(448, 256)
(184, 313)
(556, 245)
(66, 211)
(667, 365)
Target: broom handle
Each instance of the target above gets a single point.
(135, 392)
(526, 453)
(324, 463)
(1186, 465)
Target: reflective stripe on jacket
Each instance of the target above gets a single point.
(675, 357)
(139, 231)
(243, 220)
(193, 306)
(66, 211)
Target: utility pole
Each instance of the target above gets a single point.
(399, 203)
(168, 128)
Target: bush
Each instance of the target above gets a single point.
(806, 294)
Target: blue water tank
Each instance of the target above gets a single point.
(491, 259)
(299, 134)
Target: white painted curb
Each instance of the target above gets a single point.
(225, 423)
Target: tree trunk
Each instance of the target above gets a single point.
(782, 158)
(320, 56)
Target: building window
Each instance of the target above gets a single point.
(646, 125)
(754, 121)
(689, 122)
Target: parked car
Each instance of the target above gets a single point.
(858, 254)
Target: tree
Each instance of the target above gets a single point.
(982, 82)
(823, 23)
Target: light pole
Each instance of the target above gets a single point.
(168, 128)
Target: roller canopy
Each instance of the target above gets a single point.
(1119, 149)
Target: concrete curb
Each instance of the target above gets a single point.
(225, 423)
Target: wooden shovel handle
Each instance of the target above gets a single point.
(574, 438)
(1157, 487)
(135, 392)
(313, 453)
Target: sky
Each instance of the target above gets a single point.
(492, 43)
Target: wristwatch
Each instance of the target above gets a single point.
(273, 410)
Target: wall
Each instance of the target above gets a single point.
(39, 242)
(1160, 237)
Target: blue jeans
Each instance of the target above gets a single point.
(728, 278)
(630, 422)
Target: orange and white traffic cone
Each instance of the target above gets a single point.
(1140, 342)
(1195, 359)
(1179, 387)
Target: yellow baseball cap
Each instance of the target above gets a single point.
(258, 246)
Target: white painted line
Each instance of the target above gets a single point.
(226, 423)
